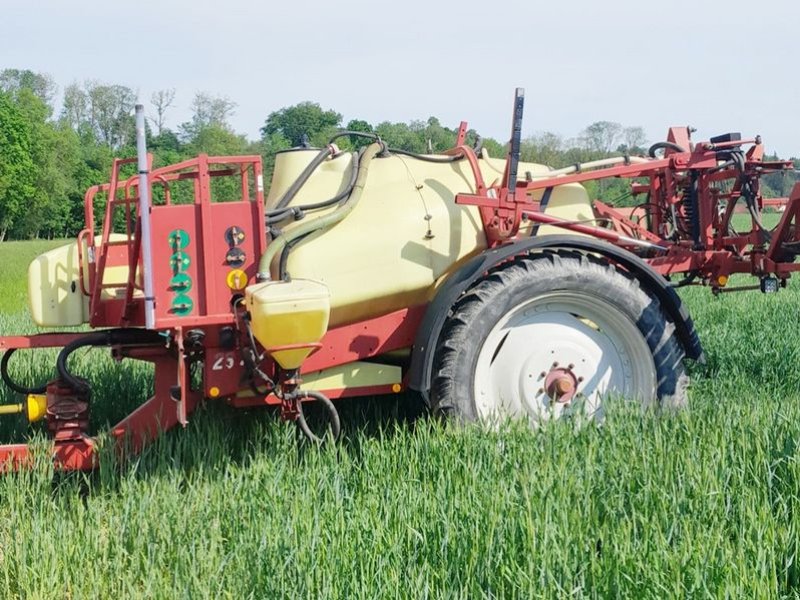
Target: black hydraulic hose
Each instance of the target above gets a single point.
(110, 337)
(298, 183)
(362, 134)
(426, 158)
(12, 385)
(285, 256)
(376, 137)
(663, 146)
(333, 415)
(277, 216)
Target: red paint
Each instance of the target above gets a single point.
(502, 207)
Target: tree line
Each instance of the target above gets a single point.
(50, 154)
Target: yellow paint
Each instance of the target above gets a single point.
(405, 235)
(213, 392)
(289, 313)
(237, 280)
(36, 407)
(401, 241)
(352, 375)
(10, 409)
(54, 291)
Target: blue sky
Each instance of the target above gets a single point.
(719, 66)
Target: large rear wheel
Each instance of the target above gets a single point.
(557, 332)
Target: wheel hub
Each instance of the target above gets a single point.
(561, 384)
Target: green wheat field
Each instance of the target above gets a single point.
(698, 504)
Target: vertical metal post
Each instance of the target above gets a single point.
(515, 142)
(144, 220)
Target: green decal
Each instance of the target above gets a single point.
(178, 239)
(182, 305)
(180, 282)
(180, 262)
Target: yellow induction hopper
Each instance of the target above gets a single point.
(289, 318)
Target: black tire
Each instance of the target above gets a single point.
(482, 307)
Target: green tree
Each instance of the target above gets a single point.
(42, 86)
(54, 152)
(303, 119)
(102, 110)
(208, 112)
(404, 136)
(601, 136)
(17, 170)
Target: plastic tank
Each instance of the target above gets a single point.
(405, 234)
(289, 313)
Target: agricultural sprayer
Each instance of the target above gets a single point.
(494, 288)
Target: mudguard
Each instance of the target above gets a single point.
(428, 333)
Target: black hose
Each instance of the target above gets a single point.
(277, 216)
(663, 146)
(109, 337)
(343, 196)
(298, 183)
(362, 134)
(375, 137)
(12, 385)
(285, 256)
(432, 159)
(282, 211)
(333, 414)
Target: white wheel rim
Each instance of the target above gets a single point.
(600, 346)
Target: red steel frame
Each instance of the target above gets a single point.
(711, 255)
(119, 304)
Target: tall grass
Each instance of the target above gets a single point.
(701, 503)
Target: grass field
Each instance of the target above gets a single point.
(699, 504)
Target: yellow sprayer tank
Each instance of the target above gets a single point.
(405, 234)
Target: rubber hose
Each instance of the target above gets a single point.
(333, 414)
(108, 337)
(276, 216)
(426, 158)
(285, 256)
(298, 183)
(273, 249)
(349, 133)
(373, 136)
(14, 387)
(663, 146)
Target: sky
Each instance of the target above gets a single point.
(717, 66)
